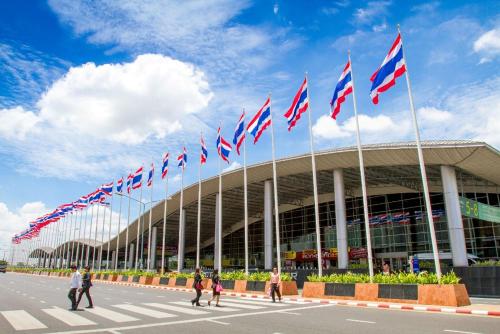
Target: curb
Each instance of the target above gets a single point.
(403, 307)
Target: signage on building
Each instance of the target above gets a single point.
(474, 209)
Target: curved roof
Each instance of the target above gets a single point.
(390, 168)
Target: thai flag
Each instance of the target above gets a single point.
(182, 159)
(129, 183)
(164, 167)
(107, 189)
(137, 179)
(119, 185)
(260, 121)
(392, 67)
(150, 175)
(299, 106)
(96, 196)
(239, 133)
(204, 152)
(223, 147)
(343, 88)
(81, 203)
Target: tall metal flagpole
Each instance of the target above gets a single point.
(315, 188)
(84, 231)
(198, 224)
(275, 186)
(89, 236)
(74, 237)
(138, 229)
(79, 240)
(118, 230)
(164, 227)
(109, 229)
(95, 235)
(126, 233)
(61, 244)
(181, 230)
(245, 196)
(219, 221)
(102, 236)
(150, 219)
(363, 180)
(423, 172)
(69, 251)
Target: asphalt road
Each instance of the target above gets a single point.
(37, 304)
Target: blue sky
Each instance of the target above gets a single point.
(91, 90)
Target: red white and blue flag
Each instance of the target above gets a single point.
(107, 189)
(137, 179)
(119, 185)
(150, 175)
(239, 133)
(182, 159)
(260, 121)
(129, 183)
(164, 166)
(392, 67)
(343, 88)
(223, 147)
(204, 152)
(299, 106)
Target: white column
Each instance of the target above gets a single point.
(182, 236)
(268, 225)
(113, 259)
(340, 218)
(454, 217)
(131, 256)
(152, 255)
(216, 238)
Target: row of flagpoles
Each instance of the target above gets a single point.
(393, 66)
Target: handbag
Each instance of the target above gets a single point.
(198, 286)
(218, 288)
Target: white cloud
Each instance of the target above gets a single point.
(372, 11)
(111, 100)
(15, 221)
(433, 115)
(488, 45)
(380, 27)
(327, 128)
(276, 8)
(16, 123)
(234, 165)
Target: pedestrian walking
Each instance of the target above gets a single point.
(216, 288)
(198, 286)
(75, 285)
(275, 284)
(86, 285)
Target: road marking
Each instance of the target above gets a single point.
(42, 301)
(160, 296)
(22, 320)
(221, 309)
(110, 314)
(219, 322)
(185, 310)
(461, 332)
(244, 306)
(251, 302)
(145, 311)
(68, 317)
(362, 321)
(288, 312)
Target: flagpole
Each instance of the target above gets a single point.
(79, 239)
(275, 186)
(95, 234)
(164, 227)
(219, 222)
(198, 225)
(245, 196)
(363, 179)
(75, 221)
(118, 231)
(181, 230)
(315, 188)
(138, 228)
(150, 218)
(85, 230)
(60, 242)
(69, 252)
(109, 228)
(126, 233)
(102, 235)
(90, 235)
(423, 172)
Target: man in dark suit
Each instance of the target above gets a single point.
(86, 284)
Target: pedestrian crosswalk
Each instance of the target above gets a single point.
(45, 318)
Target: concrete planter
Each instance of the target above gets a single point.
(98, 276)
(228, 284)
(134, 279)
(313, 290)
(171, 281)
(288, 288)
(366, 291)
(443, 294)
(189, 283)
(112, 277)
(480, 281)
(398, 292)
(156, 281)
(163, 280)
(256, 286)
(145, 280)
(180, 282)
(123, 278)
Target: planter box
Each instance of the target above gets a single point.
(180, 282)
(259, 286)
(136, 278)
(189, 283)
(156, 281)
(340, 289)
(398, 291)
(288, 288)
(366, 291)
(112, 277)
(145, 280)
(124, 278)
(105, 277)
(171, 281)
(163, 281)
(480, 281)
(443, 294)
(313, 289)
(228, 284)
(97, 276)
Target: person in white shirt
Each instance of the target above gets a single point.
(75, 285)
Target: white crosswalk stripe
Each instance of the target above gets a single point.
(110, 314)
(144, 311)
(213, 308)
(22, 320)
(185, 310)
(69, 317)
(254, 302)
(239, 305)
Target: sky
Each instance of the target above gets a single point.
(91, 90)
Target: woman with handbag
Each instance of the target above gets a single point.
(216, 288)
(198, 287)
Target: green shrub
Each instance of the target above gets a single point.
(233, 275)
(396, 278)
(488, 263)
(262, 276)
